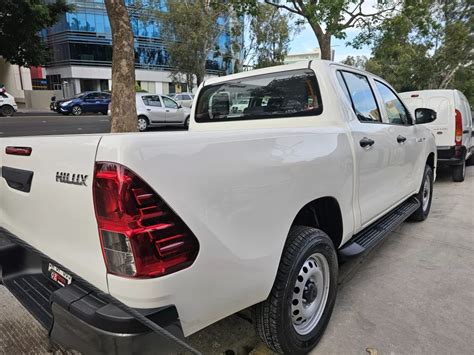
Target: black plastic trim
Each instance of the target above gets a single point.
(18, 179)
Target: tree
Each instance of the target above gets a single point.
(192, 30)
(329, 18)
(269, 37)
(20, 24)
(123, 108)
(359, 62)
(427, 46)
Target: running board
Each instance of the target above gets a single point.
(377, 231)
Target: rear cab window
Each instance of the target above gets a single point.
(358, 88)
(286, 94)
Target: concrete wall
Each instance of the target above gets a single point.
(40, 99)
(16, 79)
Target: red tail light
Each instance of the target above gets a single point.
(25, 151)
(140, 235)
(458, 130)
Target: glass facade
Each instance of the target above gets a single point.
(83, 37)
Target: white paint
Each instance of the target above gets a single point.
(237, 185)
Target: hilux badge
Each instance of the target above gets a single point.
(74, 179)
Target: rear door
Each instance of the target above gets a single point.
(53, 214)
(173, 113)
(405, 145)
(377, 170)
(463, 106)
(154, 108)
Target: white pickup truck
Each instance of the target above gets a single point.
(127, 243)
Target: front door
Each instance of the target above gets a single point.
(173, 113)
(376, 168)
(91, 102)
(405, 145)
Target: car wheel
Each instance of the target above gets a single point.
(142, 123)
(459, 172)
(297, 311)
(425, 195)
(6, 110)
(186, 122)
(76, 110)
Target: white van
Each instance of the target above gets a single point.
(7, 104)
(452, 128)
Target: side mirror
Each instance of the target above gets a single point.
(180, 106)
(424, 115)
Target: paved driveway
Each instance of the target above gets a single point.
(412, 295)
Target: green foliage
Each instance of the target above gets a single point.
(20, 23)
(269, 37)
(359, 62)
(427, 46)
(191, 31)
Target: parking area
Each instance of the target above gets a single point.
(413, 294)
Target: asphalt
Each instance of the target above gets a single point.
(44, 123)
(33, 123)
(414, 294)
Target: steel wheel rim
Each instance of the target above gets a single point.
(426, 193)
(310, 294)
(141, 124)
(76, 110)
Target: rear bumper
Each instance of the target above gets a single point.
(449, 156)
(75, 316)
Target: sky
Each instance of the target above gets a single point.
(306, 41)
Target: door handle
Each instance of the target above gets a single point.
(366, 142)
(401, 139)
(148, 109)
(167, 110)
(465, 131)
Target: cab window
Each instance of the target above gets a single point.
(396, 112)
(362, 97)
(291, 93)
(169, 103)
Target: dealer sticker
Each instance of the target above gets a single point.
(58, 275)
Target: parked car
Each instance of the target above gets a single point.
(95, 102)
(240, 105)
(452, 129)
(7, 104)
(185, 99)
(254, 209)
(160, 110)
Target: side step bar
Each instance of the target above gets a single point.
(377, 231)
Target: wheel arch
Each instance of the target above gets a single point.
(323, 213)
(430, 161)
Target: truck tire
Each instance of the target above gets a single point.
(294, 316)
(6, 111)
(425, 195)
(459, 171)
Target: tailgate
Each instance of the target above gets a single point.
(57, 215)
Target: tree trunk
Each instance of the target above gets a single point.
(325, 46)
(324, 40)
(124, 111)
